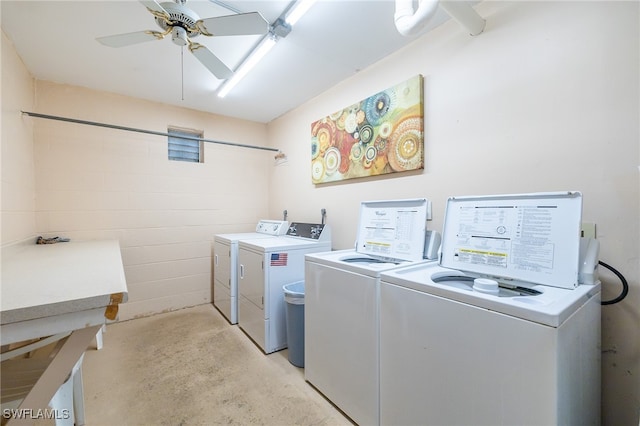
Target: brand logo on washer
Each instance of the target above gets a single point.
(381, 213)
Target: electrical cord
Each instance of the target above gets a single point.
(625, 285)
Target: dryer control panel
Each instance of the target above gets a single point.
(313, 231)
(272, 227)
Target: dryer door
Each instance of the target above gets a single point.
(251, 277)
(251, 292)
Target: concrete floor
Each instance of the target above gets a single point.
(191, 367)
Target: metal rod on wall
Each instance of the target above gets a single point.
(149, 132)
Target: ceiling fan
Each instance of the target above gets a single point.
(184, 24)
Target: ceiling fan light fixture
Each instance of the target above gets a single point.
(179, 36)
(177, 15)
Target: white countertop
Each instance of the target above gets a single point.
(46, 280)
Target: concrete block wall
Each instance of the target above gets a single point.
(98, 183)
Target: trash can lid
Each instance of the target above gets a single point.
(294, 289)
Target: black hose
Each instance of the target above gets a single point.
(625, 285)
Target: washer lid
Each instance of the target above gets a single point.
(552, 307)
(393, 229)
(532, 238)
(351, 261)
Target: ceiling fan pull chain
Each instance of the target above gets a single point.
(182, 69)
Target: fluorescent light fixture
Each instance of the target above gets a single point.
(265, 45)
(292, 16)
(299, 8)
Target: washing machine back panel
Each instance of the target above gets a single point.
(393, 229)
(529, 238)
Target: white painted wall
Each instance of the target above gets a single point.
(546, 99)
(18, 177)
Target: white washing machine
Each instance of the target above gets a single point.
(506, 329)
(265, 266)
(341, 303)
(225, 263)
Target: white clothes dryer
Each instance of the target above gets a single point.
(341, 304)
(225, 264)
(265, 266)
(506, 330)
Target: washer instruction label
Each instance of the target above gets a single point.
(393, 229)
(532, 238)
(507, 235)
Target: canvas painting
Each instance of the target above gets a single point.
(381, 134)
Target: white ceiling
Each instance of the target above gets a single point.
(334, 40)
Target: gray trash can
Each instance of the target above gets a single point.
(294, 314)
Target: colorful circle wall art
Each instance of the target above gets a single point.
(381, 134)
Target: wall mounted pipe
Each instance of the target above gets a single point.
(410, 22)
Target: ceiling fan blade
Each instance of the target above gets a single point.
(211, 61)
(154, 7)
(239, 24)
(121, 40)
